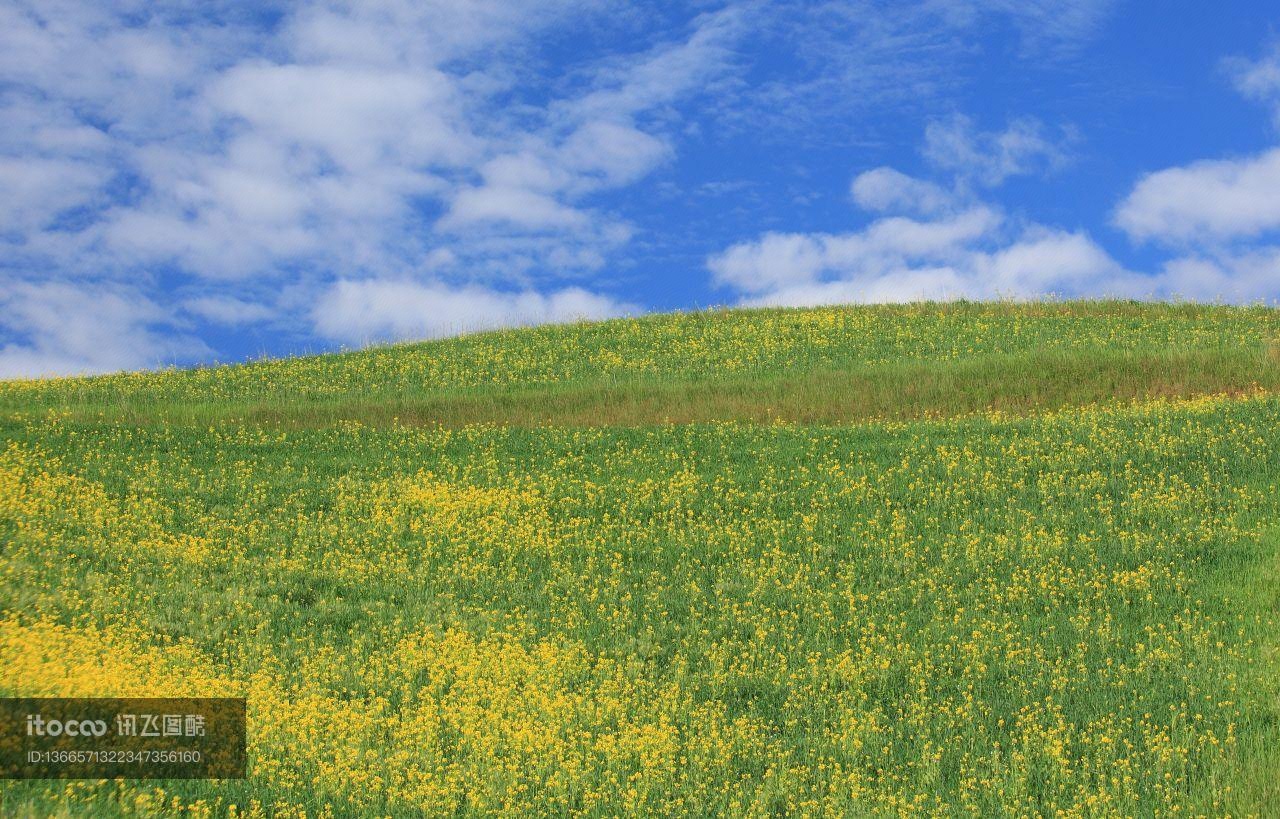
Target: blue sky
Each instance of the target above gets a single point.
(188, 183)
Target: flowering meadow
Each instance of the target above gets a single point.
(1070, 610)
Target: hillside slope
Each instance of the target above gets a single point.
(982, 559)
(833, 364)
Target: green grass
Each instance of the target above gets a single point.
(621, 593)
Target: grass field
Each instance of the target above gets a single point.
(923, 560)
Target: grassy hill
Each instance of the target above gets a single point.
(822, 365)
(929, 559)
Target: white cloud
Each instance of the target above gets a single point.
(1246, 276)
(888, 246)
(1205, 201)
(517, 207)
(1259, 79)
(372, 309)
(227, 310)
(356, 117)
(885, 189)
(525, 170)
(612, 154)
(526, 190)
(296, 163)
(33, 191)
(71, 329)
(990, 157)
(1047, 261)
(975, 254)
(775, 261)
(913, 239)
